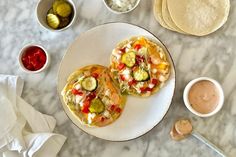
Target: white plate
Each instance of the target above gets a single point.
(140, 114)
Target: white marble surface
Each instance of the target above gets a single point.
(213, 56)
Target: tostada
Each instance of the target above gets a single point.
(93, 97)
(139, 66)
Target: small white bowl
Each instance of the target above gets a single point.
(118, 12)
(188, 105)
(23, 50)
(41, 12)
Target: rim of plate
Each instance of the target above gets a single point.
(58, 92)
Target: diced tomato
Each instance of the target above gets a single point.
(137, 47)
(43, 58)
(95, 75)
(133, 82)
(154, 81)
(76, 92)
(112, 108)
(118, 110)
(102, 119)
(30, 67)
(145, 89)
(122, 49)
(121, 66)
(85, 108)
(122, 77)
(34, 58)
(139, 59)
(148, 89)
(91, 96)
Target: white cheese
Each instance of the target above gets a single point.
(78, 86)
(90, 117)
(107, 114)
(161, 55)
(127, 49)
(151, 85)
(138, 86)
(116, 54)
(126, 74)
(138, 90)
(128, 45)
(108, 92)
(162, 78)
(154, 70)
(143, 51)
(78, 98)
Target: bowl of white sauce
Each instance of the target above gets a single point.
(121, 6)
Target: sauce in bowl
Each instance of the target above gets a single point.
(203, 96)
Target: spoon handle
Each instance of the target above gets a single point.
(208, 143)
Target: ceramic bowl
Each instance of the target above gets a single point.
(23, 51)
(41, 12)
(188, 105)
(118, 12)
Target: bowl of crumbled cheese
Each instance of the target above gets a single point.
(121, 6)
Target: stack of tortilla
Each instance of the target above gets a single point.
(194, 17)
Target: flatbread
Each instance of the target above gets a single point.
(157, 11)
(167, 18)
(106, 91)
(199, 17)
(154, 62)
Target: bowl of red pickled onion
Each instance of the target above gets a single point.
(33, 58)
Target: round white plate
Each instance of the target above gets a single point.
(140, 114)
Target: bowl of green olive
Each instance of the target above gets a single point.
(56, 15)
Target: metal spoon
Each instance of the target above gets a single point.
(208, 143)
(183, 127)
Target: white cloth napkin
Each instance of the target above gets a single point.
(24, 132)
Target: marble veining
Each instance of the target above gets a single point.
(213, 56)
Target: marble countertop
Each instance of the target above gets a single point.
(213, 56)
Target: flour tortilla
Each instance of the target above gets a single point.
(199, 17)
(157, 11)
(167, 18)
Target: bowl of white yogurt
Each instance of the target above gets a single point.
(121, 6)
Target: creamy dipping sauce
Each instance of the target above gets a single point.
(203, 96)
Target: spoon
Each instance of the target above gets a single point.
(208, 143)
(183, 128)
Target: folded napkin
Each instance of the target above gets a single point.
(24, 132)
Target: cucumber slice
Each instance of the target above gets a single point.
(128, 58)
(53, 21)
(64, 9)
(56, 3)
(96, 106)
(89, 83)
(141, 75)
